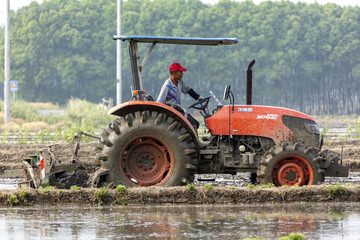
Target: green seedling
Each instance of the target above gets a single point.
(269, 185)
(75, 187)
(23, 195)
(120, 189)
(101, 194)
(293, 236)
(335, 190)
(13, 200)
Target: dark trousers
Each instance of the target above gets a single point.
(192, 120)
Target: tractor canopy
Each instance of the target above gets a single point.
(136, 67)
(179, 40)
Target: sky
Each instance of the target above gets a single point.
(16, 4)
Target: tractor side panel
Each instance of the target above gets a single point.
(254, 120)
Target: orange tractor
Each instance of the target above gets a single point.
(152, 144)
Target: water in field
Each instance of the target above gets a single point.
(268, 221)
(9, 183)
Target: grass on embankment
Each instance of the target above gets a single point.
(181, 195)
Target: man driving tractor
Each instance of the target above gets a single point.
(170, 92)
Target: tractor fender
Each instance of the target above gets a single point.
(123, 109)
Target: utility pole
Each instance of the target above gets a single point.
(7, 64)
(118, 56)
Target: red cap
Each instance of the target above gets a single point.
(177, 67)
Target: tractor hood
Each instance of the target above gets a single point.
(279, 124)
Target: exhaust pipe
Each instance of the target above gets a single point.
(249, 83)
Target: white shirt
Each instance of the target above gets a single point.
(170, 93)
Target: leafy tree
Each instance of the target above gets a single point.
(307, 54)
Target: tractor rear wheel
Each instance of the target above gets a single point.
(289, 164)
(148, 149)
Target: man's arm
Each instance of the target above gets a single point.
(190, 91)
(193, 94)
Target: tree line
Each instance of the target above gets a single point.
(307, 55)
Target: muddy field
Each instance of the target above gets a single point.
(11, 155)
(350, 150)
(226, 189)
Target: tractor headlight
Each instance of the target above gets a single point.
(312, 128)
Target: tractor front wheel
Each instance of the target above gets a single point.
(289, 164)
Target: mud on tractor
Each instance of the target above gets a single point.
(152, 144)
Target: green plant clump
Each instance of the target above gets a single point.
(335, 190)
(190, 186)
(208, 186)
(23, 195)
(293, 236)
(75, 187)
(324, 131)
(357, 128)
(47, 189)
(120, 189)
(269, 185)
(13, 200)
(251, 186)
(101, 194)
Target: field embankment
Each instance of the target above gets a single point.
(181, 195)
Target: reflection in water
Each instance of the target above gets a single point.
(269, 221)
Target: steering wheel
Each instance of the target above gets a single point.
(202, 104)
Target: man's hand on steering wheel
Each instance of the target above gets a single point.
(201, 104)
